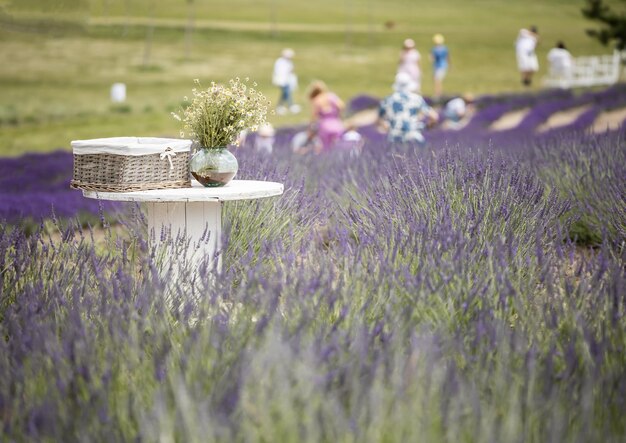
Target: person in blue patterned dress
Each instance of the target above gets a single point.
(404, 114)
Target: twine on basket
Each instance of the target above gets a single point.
(169, 153)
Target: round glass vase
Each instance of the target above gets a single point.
(213, 167)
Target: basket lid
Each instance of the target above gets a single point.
(130, 145)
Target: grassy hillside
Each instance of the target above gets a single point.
(59, 62)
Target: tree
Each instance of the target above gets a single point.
(613, 23)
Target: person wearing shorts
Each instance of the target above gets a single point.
(440, 57)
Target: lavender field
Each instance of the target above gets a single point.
(473, 290)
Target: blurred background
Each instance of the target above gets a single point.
(60, 58)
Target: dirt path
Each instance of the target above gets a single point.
(231, 25)
(509, 120)
(562, 118)
(363, 118)
(609, 120)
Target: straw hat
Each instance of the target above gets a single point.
(266, 130)
(468, 97)
(408, 44)
(438, 39)
(288, 53)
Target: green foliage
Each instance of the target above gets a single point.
(121, 109)
(584, 234)
(251, 225)
(613, 22)
(590, 175)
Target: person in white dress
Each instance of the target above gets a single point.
(410, 64)
(527, 62)
(561, 63)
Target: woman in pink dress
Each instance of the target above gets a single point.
(410, 63)
(326, 108)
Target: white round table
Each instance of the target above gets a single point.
(190, 214)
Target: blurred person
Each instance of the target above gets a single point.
(326, 110)
(440, 58)
(264, 141)
(304, 142)
(118, 92)
(285, 78)
(410, 63)
(351, 141)
(561, 62)
(457, 111)
(404, 114)
(527, 62)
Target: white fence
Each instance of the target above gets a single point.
(588, 71)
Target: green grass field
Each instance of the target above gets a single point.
(59, 60)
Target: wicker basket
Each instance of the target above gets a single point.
(130, 164)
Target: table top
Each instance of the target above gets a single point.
(234, 190)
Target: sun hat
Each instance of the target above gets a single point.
(288, 53)
(409, 43)
(468, 97)
(266, 130)
(438, 39)
(404, 83)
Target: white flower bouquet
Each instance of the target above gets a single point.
(217, 115)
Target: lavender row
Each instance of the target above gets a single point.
(400, 295)
(36, 187)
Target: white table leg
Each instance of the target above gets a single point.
(204, 230)
(187, 232)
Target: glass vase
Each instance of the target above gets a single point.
(213, 167)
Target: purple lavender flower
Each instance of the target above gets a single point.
(406, 293)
